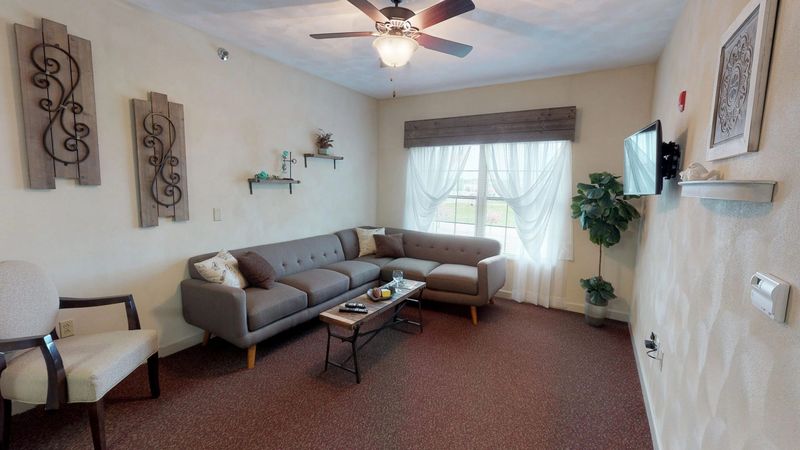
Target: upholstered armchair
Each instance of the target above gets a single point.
(36, 367)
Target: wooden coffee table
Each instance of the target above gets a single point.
(354, 321)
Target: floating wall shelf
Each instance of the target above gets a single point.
(741, 190)
(289, 181)
(317, 155)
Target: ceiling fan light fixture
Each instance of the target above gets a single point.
(395, 50)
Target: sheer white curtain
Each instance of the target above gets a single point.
(535, 180)
(431, 174)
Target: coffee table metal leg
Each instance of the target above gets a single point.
(328, 349)
(355, 355)
(419, 314)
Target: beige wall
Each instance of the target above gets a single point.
(239, 115)
(611, 105)
(730, 375)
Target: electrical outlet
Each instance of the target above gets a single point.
(66, 328)
(653, 346)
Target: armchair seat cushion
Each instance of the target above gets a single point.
(454, 278)
(359, 272)
(267, 306)
(319, 284)
(413, 269)
(93, 363)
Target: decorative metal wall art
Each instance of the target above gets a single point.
(161, 159)
(741, 83)
(56, 76)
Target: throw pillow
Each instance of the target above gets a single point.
(222, 269)
(366, 240)
(390, 245)
(256, 270)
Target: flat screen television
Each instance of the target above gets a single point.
(648, 160)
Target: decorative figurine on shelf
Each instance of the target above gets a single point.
(696, 172)
(262, 175)
(286, 164)
(324, 142)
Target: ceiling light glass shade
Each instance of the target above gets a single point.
(395, 51)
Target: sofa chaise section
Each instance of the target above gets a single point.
(457, 269)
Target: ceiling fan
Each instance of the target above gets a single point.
(397, 30)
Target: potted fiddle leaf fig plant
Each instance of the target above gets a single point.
(602, 208)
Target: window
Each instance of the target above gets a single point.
(473, 208)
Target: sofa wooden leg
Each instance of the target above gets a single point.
(473, 311)
(97, 423)
(5, 424)
(206, 337)
(491, 301)
(152, 375)
(251, 356)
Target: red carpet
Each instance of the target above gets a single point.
(526, 377)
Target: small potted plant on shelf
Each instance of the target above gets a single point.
(324, 142)
(602, 208)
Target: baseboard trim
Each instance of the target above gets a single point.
(562, 303)
(612, 314)
(182, 344)
(645, 392)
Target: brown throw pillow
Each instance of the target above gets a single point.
(256, 270)
(390, 245)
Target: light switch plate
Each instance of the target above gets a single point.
(217, 214)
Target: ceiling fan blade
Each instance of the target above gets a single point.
(343, 35)
(443, 45)
(369, 9)
(441, 12)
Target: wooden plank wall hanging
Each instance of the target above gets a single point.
(56, 76)
(161, 159)
(551, 124)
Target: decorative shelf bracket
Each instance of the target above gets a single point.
(740, 190)
(289, 181)
(334, 158)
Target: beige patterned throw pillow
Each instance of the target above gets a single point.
(222, 269)
(366, 241)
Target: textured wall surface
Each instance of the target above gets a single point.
(730, 374)
(239, 115)
(611, 105)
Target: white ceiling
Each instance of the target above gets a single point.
(513, 39)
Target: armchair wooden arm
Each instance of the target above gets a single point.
(130, 306)
(56, 376)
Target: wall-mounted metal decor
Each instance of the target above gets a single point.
(55, 70)
(161, 159)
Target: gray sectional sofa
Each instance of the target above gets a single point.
(317, 273)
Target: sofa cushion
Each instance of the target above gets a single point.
(372, 259)
(366, 240)
(267, 306)
(389, 246)
(319, 284)
(359, 272)
(256, 270)
(446, 249)
(454, 278)
(222, 268)
(413, 269)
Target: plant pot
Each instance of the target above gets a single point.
(324, 151)
(594, 315)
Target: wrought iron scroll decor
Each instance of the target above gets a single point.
(58, 104)
(161, 157)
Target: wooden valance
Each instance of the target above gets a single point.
(550, 124)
